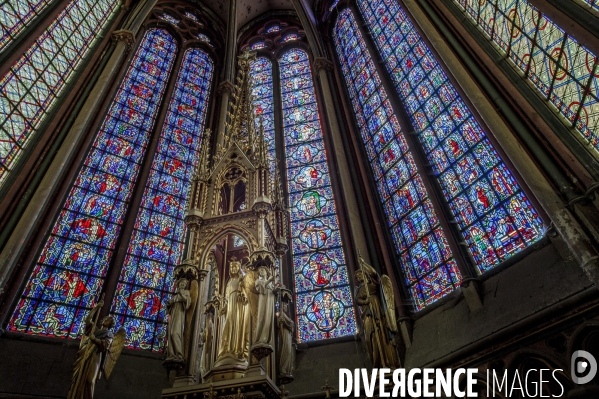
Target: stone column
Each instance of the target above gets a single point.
(322, 66)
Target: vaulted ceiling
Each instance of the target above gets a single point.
(247, 9)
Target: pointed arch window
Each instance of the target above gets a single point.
(156, 247)
(74, 260)
(34, 83)
(428, 265)
(323, 300)
(495, 217)
(563, 71)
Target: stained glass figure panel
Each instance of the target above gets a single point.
(558, 66)
(428, 266)
(16, 15)
(157, 243)
(494, 215)
(76, 255)
(263, 103)
(32, 85)
(324, 305)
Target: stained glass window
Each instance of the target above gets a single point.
(261, 73)
(32, 85)
(191, 16)
(323, 300)
(593, 4)
(332, 7)
(273, 28)
(203, 38)
(429, 270)
(75, 257)
(170, 19)
(559, 67)
(290, 36)
(258, 45)
(493, 214)
(156, 246)
(16, 15)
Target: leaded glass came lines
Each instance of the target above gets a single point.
(494, 215)
(323, 299)
(563, 71)
(429, 270)
(156, 246)
(39, 77)
(75, 257)
(15, 16)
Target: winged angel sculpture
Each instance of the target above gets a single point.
(98, 352)
(378, 315)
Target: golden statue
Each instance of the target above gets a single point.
(98, 352)
(235, 335)
(379, 321)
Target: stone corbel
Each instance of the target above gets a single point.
(225, 87)
(125, 36)
(322, 63)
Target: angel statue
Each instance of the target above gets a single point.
(176, 307)
(98, 352)
(377, 315)
(264, 285)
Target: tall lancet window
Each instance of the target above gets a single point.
(495, 217)
(429, 269)
(323, 300)
(157, 243)
(34, 83)
(563, 71)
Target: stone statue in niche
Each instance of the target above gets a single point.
(286, 348)
(377, 314)
(235, 335)
(98, 352)
(264, 285)
(207, 339)
(176, 308)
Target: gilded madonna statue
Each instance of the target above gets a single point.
(234, 339)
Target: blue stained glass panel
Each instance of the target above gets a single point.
(76, 255)
(415, 228)
(157, 244)
(34, 83)
(478, 186)
(324, 305)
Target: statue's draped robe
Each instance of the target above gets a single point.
(266, 308)
(234, 339)
(89, 363)
(286, 349)
(176, 325)
(206, 362)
